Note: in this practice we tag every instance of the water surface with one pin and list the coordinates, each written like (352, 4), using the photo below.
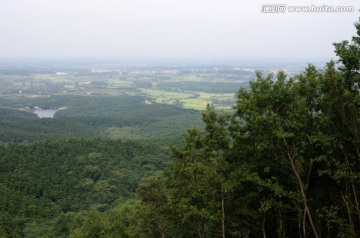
(47, 113)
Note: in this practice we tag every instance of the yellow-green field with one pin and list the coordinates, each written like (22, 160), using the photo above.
(166, 94)
(196, 103)
(193, 100)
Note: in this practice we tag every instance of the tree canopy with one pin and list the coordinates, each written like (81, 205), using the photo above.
(285, 163)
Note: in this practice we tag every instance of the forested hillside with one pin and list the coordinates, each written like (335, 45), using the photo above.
(285, 162)
(44, 180)
(121, 117)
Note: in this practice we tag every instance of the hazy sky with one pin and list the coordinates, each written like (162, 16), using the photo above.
(169, 29)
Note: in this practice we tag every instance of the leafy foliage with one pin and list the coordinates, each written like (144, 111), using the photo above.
(45, 179)
(285, 163)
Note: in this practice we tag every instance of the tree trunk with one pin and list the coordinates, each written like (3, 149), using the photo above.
(263, 226)
(357, 208)
(302, 189)
(222, 213)
(280, 230)
(199, 228)
(346, 201)
(304, 223)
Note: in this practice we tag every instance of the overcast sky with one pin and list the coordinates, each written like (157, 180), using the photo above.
(169, 29)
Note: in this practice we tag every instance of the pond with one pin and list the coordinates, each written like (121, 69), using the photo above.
(47, 113)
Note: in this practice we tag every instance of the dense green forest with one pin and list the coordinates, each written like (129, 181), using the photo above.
(284, 163)
(121, 117)
(44, 181)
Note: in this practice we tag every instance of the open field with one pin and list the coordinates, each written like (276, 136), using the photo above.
(182, 87)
